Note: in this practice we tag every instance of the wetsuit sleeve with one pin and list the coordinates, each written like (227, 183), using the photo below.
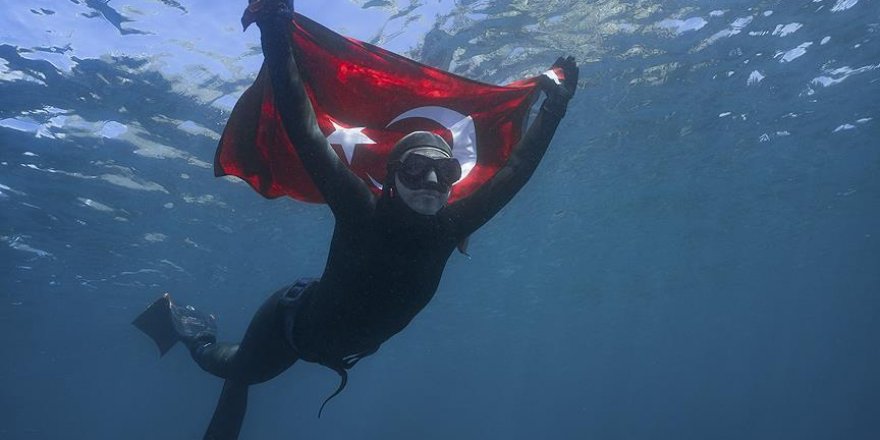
(346, 194)
(474, 211)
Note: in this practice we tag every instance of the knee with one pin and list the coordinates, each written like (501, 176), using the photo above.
(225, 361)
(217, 359)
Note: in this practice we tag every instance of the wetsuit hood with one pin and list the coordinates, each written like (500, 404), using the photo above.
(418, 139)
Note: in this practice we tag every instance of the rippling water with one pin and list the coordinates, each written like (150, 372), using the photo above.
(697, 257)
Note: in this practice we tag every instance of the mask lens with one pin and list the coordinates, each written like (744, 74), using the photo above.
(416, 166)
(449, 170)
(414, 169)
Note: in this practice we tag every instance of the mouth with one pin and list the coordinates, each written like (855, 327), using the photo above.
(429, 193)
(434, 187)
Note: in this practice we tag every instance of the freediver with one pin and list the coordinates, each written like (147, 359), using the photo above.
(387, 253)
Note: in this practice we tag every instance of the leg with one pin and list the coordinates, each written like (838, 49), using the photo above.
(263, 353)
(229, 415)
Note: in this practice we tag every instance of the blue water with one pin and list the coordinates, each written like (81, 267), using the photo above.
(698, 256)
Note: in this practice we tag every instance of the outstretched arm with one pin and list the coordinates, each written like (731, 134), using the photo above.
(346, 194)
(474, 211)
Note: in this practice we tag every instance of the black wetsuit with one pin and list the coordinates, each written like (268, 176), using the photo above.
(385, 260)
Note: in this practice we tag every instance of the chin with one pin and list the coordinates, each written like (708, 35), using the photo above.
(422, 201)
(428, 209)
(429, 204)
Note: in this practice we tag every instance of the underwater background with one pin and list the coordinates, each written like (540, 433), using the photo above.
(697, 257)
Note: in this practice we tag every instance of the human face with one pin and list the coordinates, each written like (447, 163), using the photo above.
(415, 168)
(430, 192)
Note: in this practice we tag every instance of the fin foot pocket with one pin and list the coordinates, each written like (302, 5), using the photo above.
(193, 326)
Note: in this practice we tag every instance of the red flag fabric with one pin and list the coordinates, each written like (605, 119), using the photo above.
(366, 99)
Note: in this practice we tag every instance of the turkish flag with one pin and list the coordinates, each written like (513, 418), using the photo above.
(366, 99)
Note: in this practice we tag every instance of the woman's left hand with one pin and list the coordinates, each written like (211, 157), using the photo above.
(260, 10)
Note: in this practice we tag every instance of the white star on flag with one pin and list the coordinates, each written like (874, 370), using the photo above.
(348, 139)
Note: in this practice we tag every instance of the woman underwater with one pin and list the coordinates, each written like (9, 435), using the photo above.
(387, 253)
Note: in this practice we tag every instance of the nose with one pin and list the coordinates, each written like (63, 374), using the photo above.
(431, 176)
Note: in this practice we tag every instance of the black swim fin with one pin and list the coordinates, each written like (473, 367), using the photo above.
(166, 323)
(156, 323)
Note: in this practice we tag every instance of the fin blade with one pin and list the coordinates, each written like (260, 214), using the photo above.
(156, 323)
